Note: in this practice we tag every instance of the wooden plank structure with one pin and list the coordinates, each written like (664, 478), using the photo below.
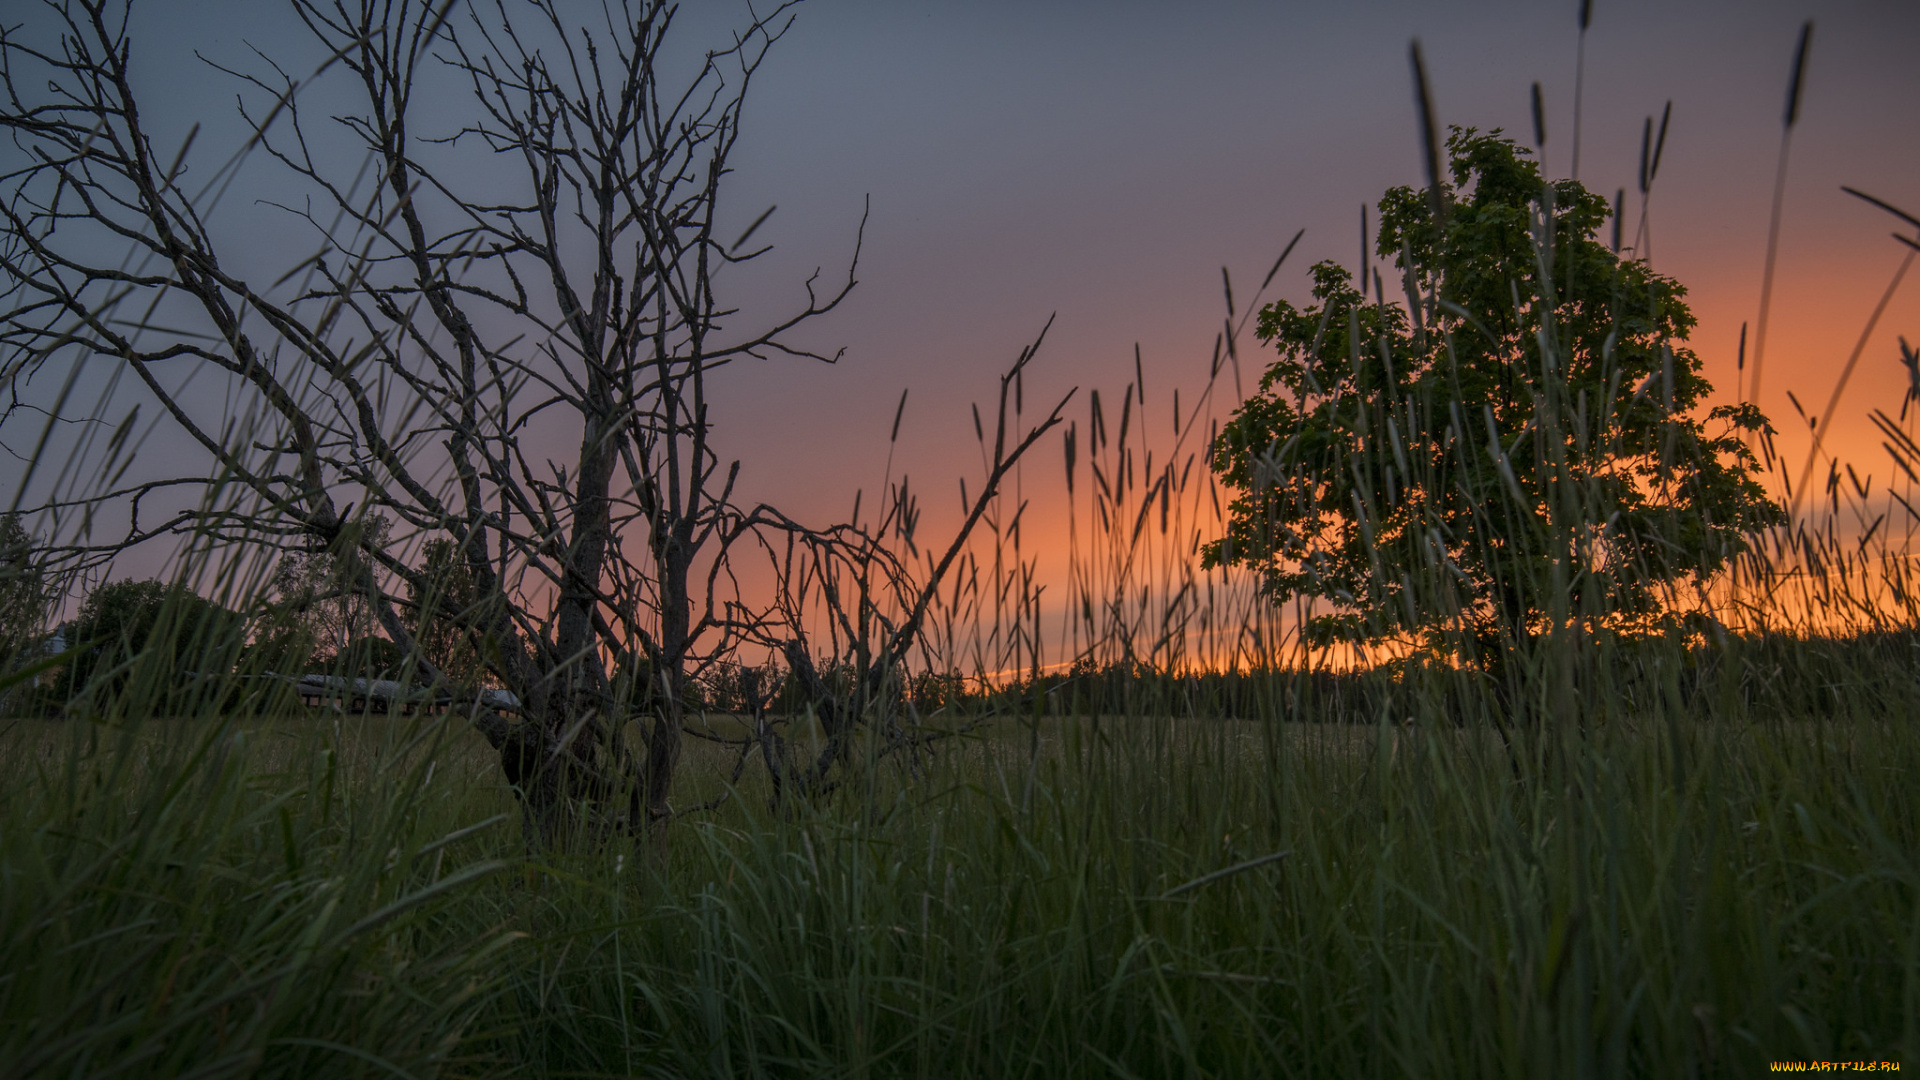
(390, 695)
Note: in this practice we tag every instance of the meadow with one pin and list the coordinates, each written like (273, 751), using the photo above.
(1690, 890)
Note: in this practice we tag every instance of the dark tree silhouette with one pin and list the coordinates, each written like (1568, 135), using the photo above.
(1511, 448)
(550, 272)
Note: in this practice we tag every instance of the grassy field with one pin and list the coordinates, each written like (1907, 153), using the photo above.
(1129, 896)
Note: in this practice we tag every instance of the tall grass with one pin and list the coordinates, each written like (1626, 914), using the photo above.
(202, 896)
(1150, 870)
(1693, 893)
(1703, 902)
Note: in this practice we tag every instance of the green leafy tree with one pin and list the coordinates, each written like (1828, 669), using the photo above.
(450, 614)
(25, 592)
(317, 613)
(1512, 448)
(370, 657)
(170, 626)
(27, 595)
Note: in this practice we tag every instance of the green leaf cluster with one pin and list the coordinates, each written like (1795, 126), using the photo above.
(181, 635)
(26, 592)
(1509, 444)
(450, 614)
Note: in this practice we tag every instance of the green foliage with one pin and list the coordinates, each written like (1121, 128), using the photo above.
(317, 618)
(280, 644)
(166, 634)
(932, 691)
(316, 613)
(370, 657)
(732, 687)
(449, 614)
(1514, 449)
(25, 592)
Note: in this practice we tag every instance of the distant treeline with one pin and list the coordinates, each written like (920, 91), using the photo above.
(1620, 678)
(183, 646)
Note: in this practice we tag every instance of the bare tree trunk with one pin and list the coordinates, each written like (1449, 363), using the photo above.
(404, 370)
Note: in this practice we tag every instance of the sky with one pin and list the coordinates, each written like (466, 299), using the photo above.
(1098, 165)
(1102, 163)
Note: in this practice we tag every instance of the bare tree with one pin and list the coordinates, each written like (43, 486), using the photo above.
(422, 364)
(873, 612)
